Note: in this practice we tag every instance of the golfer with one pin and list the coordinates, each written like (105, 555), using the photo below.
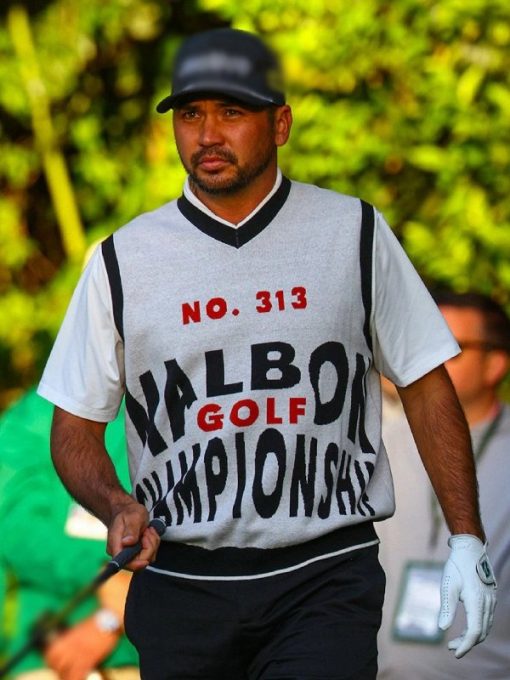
(246, 324)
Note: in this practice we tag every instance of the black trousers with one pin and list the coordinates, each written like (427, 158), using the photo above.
(315, 623)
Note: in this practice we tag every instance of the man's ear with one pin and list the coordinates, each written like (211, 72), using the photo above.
(282, 124)
(497, 366)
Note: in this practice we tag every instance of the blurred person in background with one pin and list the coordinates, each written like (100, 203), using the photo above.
(413, 541)
(51, 547)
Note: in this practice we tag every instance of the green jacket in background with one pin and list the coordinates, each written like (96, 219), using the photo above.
(47, 564)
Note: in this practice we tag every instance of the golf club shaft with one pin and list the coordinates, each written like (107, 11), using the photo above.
(53, 621)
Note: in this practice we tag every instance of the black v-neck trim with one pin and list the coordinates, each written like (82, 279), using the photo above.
(232, 236)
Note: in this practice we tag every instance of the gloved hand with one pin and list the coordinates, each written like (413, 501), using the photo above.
(468, 577)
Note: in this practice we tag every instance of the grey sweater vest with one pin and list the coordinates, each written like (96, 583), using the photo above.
(253, 404)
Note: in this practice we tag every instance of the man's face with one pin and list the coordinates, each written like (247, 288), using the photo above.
(224, 145)
(469, 371)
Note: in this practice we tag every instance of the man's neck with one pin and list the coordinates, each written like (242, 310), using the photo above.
(235, 207)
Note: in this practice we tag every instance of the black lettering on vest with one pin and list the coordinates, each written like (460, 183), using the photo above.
(187, 489)
(216, 470)
(303, 477)
(148, 485)
(270, 444)
(179, 395)
(215, 375)
(330, 461)
(144, 421)
(344, 485)
(262, 366)
(140, 495)
(161, 508)
(358, 398)
(363, 482)
(241, 475)
(170, 479)
(157, 483)
(329, 353)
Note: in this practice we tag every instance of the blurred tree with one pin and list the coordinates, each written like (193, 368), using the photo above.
(78, 82)
(55, 170)
(405, 103)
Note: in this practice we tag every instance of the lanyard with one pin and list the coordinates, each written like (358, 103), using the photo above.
(479, 451)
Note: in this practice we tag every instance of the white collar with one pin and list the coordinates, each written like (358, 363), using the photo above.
(198, 203)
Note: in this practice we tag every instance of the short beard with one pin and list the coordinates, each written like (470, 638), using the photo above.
(243, 178)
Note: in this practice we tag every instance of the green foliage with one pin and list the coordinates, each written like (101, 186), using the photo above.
(94, 61)
(403, 102)
(406, 104)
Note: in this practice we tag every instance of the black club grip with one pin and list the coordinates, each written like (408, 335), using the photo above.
(125, 556)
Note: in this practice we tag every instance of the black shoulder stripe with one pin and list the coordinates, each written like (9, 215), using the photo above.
(366, 257)
(113, 271)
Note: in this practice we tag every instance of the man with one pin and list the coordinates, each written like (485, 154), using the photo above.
(50, 549)
(246, 323)
(413, 541)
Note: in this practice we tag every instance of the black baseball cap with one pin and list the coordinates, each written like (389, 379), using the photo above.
(229, 62)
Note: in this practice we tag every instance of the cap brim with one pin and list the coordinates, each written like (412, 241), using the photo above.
(164, 105)
(208, 88)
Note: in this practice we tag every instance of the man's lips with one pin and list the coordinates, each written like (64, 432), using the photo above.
(212, 160)
(212, 163)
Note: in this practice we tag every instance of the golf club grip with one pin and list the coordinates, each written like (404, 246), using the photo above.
(125, 556)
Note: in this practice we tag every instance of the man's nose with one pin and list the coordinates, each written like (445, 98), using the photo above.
(210, 131)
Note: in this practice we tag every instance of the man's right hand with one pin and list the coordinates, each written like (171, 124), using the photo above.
(128, 526)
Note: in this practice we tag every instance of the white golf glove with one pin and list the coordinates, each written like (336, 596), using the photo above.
(468, 577)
